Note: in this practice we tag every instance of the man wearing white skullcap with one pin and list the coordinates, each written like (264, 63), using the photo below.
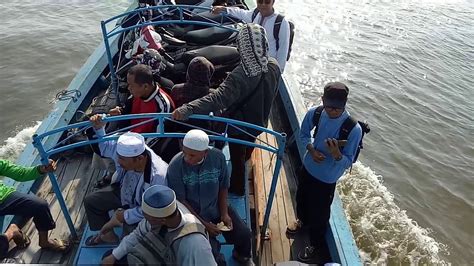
(138, 168)
(169, 218)
(200, 178)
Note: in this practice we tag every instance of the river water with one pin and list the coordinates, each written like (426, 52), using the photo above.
(409, 67)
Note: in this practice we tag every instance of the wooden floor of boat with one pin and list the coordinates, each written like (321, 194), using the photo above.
(278, 247)
(76, 178)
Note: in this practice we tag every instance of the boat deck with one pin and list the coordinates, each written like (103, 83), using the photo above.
(77, 177)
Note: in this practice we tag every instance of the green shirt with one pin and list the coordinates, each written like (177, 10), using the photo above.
(15, 172)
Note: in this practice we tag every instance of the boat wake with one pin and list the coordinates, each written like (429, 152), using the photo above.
(13, 146)
(383, 232)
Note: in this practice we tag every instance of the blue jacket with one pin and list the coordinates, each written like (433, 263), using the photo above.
(329, 170)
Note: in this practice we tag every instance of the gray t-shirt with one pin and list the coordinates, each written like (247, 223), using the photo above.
(199, 184)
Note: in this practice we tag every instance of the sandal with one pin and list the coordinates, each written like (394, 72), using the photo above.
(58, 245)
(23, 242)
(96, 240)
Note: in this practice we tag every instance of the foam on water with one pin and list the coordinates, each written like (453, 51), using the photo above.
(13, 146)
(383, 232)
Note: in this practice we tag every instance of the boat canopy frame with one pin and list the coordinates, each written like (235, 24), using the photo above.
(160, 20)
(230, 124)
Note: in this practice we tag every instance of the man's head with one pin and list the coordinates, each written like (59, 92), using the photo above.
(159, 206)
(335, 98)
(195, 146)
(252, 45)
(265, 7)
(131, 151)
(140, 81)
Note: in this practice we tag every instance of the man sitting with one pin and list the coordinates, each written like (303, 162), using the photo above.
(167, 222)
(26, 205)
(200, 179)
(138, 168)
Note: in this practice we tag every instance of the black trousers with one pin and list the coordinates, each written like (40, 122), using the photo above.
(240, 236)
(98, 204)
(27, 206)
(4, 246)
(313, 205)
(239, 154)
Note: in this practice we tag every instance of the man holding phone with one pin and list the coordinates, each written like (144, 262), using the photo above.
(325, 161)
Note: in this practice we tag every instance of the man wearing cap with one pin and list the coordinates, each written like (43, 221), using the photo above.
(138, 168)
(182, 234)
(200, 179)
(323, 164)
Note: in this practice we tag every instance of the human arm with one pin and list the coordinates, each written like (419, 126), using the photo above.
(306, 138)
(131, 240)
(228, 93)
(106, 148)
(21, 173)
(238, 13)
(284, 44)
(345, 157)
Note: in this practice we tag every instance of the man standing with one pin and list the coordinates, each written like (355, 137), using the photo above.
(138, 168)
(167, 222)
(246, 94)
(265, 16)
(200, 179)
(324, 163)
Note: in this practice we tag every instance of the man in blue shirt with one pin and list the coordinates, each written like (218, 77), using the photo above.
(325, 161)
(200, 179)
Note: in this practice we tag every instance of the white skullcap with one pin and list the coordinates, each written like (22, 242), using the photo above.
(196, 139)
(159, 201)
(130, 144)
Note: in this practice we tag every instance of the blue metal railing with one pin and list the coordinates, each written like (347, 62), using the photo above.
(47, 152)
(160, 20)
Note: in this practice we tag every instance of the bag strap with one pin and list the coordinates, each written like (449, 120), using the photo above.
(347, 127)
(276, 30)
(188, 229)
(254, 14)
(316, 118)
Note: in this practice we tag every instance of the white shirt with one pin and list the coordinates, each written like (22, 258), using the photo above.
(268, 24)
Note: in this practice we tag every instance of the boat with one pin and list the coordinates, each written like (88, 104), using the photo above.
(268, 205)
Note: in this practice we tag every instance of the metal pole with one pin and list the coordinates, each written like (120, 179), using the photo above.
(276, 173)
(57, 190)
(113, 76)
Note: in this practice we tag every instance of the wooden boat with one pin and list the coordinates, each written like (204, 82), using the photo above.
(269, 201)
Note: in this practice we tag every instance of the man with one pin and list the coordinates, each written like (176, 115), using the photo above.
(146, 97)
(138, 168)
(200, 179)
(265, 16)
(26, 205)
(166, 217)
(324, 163)
(246, 94)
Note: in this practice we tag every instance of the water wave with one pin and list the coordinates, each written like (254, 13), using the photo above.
(384, 233)
(13, 146)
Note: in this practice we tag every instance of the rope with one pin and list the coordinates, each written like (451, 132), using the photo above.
(65, 95)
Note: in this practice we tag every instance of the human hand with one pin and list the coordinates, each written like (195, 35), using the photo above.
(109, 260)
(115, 111)
(227, 220)
(218, 9)
(179, 114)
(212, 229)
(50, 167)
(97, 122)
(333, 147)
(317, 155)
